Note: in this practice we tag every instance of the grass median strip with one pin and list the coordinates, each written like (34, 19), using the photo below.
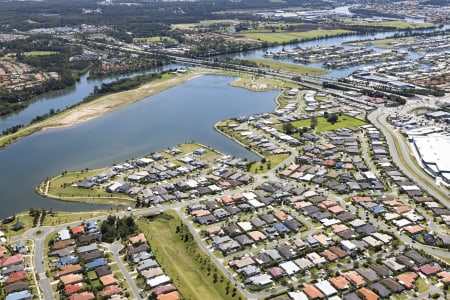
(191, 270)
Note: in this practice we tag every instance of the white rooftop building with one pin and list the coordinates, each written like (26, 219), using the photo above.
(433, 154)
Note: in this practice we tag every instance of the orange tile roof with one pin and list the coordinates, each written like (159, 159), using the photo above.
(391, 202)
(361, 199)
(71, 278)
(444, 276)
(280, 215)
(354, 278)
(413, 228)
(257, 235)
(200, 212)
(108, 280)
(402, 209)
(67, 269)
(169, 296)
(322, 239)
(302, 204)
(140, 238)
(111, 290)
(77, 229)
(330, 256)
(312, 292)
(336, 209)
(227, 199)
(327, 203)
(339, 282)
(82, 296)
(339, 228)
(368, 294)
(407, 279)
(63, 244)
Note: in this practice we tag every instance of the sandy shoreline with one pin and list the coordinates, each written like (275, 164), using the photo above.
(105, 104)
(108, 103)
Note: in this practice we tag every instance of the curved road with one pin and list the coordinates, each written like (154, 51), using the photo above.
(400, 154)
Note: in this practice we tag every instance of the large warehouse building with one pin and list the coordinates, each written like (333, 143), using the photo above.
(433, 151)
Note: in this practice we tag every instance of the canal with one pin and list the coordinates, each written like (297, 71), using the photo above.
(181, 114)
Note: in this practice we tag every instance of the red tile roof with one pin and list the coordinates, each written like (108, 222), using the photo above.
(82, 296)
(16, 276)
(429, 270)
(73, 288)
(163, 289)
(11, 260)
(111, 290)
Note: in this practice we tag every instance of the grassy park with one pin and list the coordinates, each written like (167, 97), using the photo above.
(40, 53)
(61, 187)
(191, 270)
(344, 121)
(398, 24)
(286, 36)
(264, 63)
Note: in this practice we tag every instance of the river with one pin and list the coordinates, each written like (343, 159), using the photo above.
(184, 113)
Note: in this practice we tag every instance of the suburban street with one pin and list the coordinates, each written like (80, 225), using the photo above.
(115, 249)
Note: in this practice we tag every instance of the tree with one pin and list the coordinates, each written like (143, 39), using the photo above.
(288, 128)
(313, 122)
(333, 118)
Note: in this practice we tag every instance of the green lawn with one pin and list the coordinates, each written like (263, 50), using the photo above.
(188, 266)
(344, 121)
(61, 187)
(397, 24)
(69, 217)
(421, 285)
(40, 53)
(285, 37)
(272, 161)
(154, 39)
(288, 67)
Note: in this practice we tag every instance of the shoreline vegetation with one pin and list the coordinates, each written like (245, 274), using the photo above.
(98, 107)
(92, 109)
(59, 187)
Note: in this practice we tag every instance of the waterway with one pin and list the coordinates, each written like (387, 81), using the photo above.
(59, 100)
(184, 113)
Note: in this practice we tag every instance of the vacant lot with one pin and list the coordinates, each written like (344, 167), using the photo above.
(190, 269)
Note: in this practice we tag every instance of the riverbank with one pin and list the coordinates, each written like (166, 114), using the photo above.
(101, 106)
